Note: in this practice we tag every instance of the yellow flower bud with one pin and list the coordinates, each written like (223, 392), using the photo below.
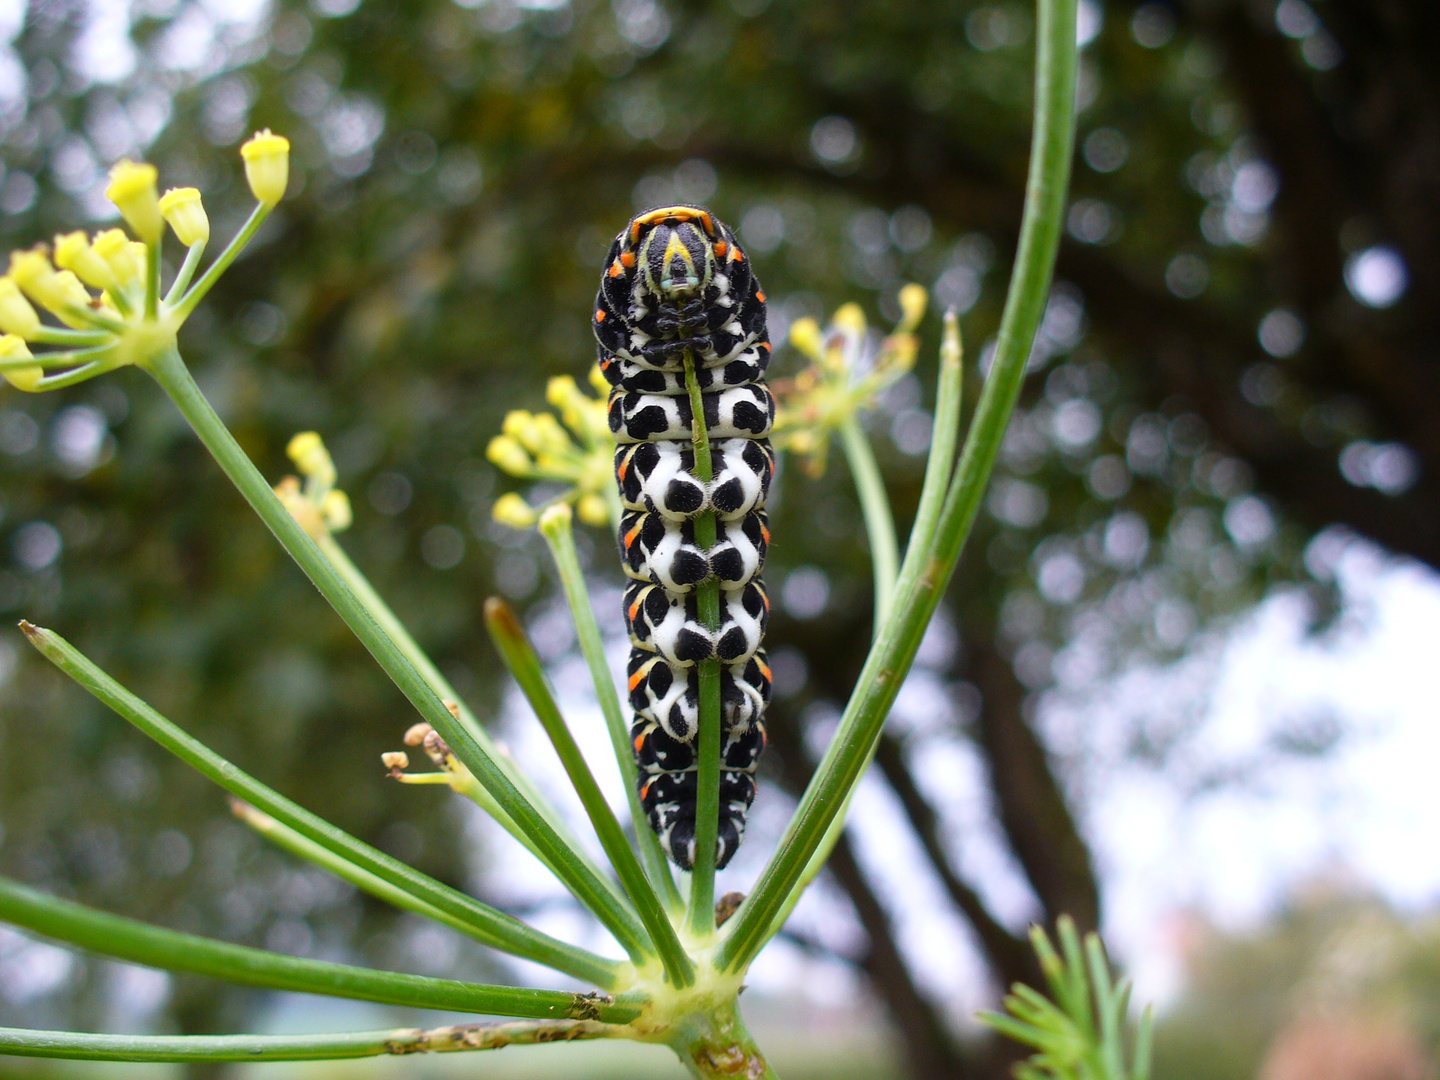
(73, 252)
(267, 166)
(510, 509)
(506, 452)
(186, 214)
(805, 336)
(850, 317)
(73, 297)
(25, 378)
(550, 436)
(308, 452)
(335, 509)
(116, 249)
(16, 314)
(912, 304)
(132, 189)
(554, 518)
(592, 509)
(31, 270)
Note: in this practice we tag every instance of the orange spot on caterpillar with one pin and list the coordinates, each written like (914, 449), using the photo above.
(615, 270)
(758, 295)
(599, 315)
(623, 469)
(631, 535)
(635, 608)
(645, 790)
(639, 743)
(720, 249)
(764, 669)
(765, 345)
(765, 532)
(709, 225)
(636, 679)
(736, 255)
(627, 258)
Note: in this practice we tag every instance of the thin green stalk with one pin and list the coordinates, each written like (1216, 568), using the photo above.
(152, 280)
(573, 870)
(21, 1042)
(948, 400)
(945, 436)
(701, 917)
(557, 528)
(875, 507)
(63, 335)
(186, 272)
(61, 359)
(524, 665)
(79, 374)
(485, 923)
(237, 244)
(926, 572)
(137, 942)
(287, 838)
(412, 651)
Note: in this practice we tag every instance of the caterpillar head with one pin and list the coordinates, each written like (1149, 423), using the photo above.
(678, 251)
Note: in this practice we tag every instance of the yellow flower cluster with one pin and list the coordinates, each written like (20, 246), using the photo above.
(846, 375)
(124, 320)
(535, 446)
(318, 505)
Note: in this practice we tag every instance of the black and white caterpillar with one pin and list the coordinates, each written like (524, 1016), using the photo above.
(676, 284)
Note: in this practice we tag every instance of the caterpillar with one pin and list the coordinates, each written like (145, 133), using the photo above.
(677, 285)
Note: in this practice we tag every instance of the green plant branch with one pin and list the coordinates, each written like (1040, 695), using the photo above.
(557, 528)
(127, 939)
(1079, 1035)
(481, 921)
(20, 1042)
(186, 303)
(701, 916)
(926, 572)
(946, 434)
(391, 625)
(187, 269)
(875, 507)
(572, 869)
(524, 665)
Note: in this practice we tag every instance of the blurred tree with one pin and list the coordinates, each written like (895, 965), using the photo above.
(1236, 356)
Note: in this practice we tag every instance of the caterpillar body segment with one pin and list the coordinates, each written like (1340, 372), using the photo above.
(664, 552)
(678, 287)
(659, 477)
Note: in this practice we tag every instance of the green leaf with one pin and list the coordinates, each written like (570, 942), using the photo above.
(524, 665)
(482, 922)
(127, 939)
(927, 571)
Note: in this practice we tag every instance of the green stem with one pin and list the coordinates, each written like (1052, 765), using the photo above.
(524, 665)
(186, 272)
(701, 916)
(592, 890)
(285, 837)
(559, 535)
(61, 359)
(20, 1042)
(714, 1044)
(127, 939)
(79, 374)
(392, 626)
(926, 572)
(237, 244)
(57, 335)
(152, 280)
(483, 923)
(875, 506)
(927, 515)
